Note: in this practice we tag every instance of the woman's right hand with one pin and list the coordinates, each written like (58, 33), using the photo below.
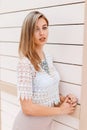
(67, 108)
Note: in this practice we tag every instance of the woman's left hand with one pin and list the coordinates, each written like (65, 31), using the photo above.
(72, 99)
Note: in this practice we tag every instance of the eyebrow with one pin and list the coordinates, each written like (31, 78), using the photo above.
(43, 25)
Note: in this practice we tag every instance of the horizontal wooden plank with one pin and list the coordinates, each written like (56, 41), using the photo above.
(57, 34)
(68, 73)
(14, 6)
(65, 15)
(9, 49)
(8, 62)
(66, 34)
(8, 76)
(10, 34)
(66, 88)
(65, 54)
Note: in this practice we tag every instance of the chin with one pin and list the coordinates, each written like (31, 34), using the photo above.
(43, 43)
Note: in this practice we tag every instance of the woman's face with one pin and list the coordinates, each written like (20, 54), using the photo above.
(41, 32)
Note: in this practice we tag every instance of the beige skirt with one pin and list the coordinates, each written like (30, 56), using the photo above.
(23, 122)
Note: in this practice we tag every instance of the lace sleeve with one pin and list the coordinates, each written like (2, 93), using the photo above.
(24, 79)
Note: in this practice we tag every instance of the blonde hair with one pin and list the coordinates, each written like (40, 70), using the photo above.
(27, 45)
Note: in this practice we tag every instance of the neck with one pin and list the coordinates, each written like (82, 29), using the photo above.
(40, 53)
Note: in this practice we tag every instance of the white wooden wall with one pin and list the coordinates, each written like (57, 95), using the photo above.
(65, 43)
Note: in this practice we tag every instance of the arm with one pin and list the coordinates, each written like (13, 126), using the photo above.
(25, 94)
(30, 108)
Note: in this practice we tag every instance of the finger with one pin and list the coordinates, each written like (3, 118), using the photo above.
(71, 96)
(74, 101)
(66, 99)
(74, 104)
(69, 101)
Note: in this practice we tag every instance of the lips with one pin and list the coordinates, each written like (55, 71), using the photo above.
(42, 39)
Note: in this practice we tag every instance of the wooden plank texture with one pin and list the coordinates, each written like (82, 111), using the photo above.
(70, 14)
(14, 6)
(57, 34)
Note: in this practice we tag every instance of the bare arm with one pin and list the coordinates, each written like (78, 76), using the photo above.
(30, 108)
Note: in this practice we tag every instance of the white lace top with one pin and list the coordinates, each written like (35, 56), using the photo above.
(41, 87)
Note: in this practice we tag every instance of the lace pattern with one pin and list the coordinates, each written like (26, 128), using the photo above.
(41, 87)
(24, 79)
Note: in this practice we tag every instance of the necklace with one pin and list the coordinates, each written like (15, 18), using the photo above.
(44, 65)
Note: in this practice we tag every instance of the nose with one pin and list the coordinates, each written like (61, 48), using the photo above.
(41, 32)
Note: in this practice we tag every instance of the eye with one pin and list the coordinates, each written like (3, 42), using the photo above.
(45, 28)
(36, 29)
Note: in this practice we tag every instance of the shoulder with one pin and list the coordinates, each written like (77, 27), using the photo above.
(24, 62)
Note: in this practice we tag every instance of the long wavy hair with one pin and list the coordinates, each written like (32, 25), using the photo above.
(27, 45)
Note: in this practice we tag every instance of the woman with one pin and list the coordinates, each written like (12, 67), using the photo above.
(38, 79)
